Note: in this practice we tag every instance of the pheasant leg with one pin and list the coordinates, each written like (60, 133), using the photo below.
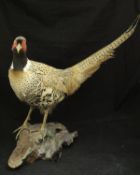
(25, 123)
(43, 126)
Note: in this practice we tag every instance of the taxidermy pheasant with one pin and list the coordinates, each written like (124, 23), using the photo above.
(42, 86)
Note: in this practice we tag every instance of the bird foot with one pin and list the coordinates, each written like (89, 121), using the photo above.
(20, 129)
(42, 133)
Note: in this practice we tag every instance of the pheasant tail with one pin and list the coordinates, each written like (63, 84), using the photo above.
(91, 64)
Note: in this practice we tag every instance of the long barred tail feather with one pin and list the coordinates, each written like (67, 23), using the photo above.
(91, 64)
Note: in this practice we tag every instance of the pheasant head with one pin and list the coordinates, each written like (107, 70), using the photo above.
(19, 49)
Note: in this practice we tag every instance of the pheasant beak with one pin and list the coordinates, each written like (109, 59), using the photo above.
(18, 48)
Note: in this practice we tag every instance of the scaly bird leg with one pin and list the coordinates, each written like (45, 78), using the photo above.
(25, 123)
(43, 126)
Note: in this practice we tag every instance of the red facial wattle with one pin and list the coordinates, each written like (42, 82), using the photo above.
(14, 45)
(24, 46)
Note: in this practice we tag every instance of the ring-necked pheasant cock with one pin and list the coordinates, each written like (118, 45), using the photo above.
(43, 86)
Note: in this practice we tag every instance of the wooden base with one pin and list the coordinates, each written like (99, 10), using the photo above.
(31, 146)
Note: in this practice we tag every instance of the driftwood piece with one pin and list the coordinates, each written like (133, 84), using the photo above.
(30, 145)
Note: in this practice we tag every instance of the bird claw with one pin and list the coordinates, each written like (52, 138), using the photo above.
(20, 129)
(42, 134)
